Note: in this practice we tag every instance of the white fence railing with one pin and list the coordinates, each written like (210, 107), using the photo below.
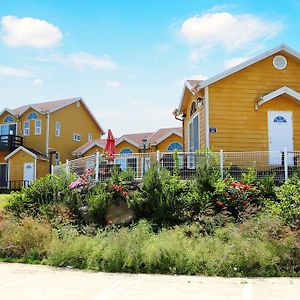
(280, 163)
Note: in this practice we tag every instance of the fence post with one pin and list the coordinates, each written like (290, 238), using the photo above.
(67, 167)
(221, 162)
(97, 167)
(286, 174)
(158, 160)
(52, 170)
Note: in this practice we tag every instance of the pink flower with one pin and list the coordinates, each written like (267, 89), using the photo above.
(125, 194)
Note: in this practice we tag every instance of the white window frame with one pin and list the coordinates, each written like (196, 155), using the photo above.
(76, 137)
(57, 129)
(26, 131)
(57, 158)
(90, 137)
(37, 129)
(190, 158)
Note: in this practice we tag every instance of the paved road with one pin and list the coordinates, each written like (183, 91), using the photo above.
(18, 281)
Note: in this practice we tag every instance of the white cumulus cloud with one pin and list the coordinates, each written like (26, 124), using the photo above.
(30, 32)
(113, 84)
(38, 81)
(227, 30)
(15, 72)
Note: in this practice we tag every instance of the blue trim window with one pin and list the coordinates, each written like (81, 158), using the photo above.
(8, 119)
(175, 146)
(32, 116)
(279, 119)
(126, 151)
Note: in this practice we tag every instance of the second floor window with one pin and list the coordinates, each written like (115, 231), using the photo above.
(8, 119)
(90, 137)
(76, 137)
(57, 159)
(32, 116)
(26, 128)
(57, 128)
(38, 127)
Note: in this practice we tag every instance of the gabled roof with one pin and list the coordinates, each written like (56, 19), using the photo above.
(283, 90)
(89, 145)
(135, 139)
(194, 85)
(32, 152)
(50, 107)
(163, 134)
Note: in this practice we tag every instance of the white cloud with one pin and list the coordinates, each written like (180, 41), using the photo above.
(82, 60)
(113, 84)
(38, 81)
(227, 30)
(229, 63)
(14, 72)
(29, 32)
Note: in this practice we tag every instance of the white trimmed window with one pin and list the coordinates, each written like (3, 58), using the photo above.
(26, 128)
(57, 158)
(37, 127)
(57, 128)
(76, 137)
(90, 137)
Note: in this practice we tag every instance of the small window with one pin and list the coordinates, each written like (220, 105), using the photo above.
(57, 128)
(175, 146)
(279, 119)
(193, 108)
(8, 119)
(32, 116)
(76, 137)
(90, 137)
(57, 159)
(126, 151)
(38, 127)
(26, 131)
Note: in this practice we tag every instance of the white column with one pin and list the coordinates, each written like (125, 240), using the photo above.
(158, 159)
(97, 167)
(286, 174)
(221, 162)
(67, 167)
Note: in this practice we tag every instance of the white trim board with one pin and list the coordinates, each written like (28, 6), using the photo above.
(126, 139)
(241, 66)
(19, 149)
(165, 137)
(283, 90)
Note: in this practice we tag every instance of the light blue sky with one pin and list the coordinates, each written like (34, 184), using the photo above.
(128, 58)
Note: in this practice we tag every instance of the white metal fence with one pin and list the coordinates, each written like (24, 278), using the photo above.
(280, 163)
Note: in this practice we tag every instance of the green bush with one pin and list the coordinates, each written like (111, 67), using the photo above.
(287, 203)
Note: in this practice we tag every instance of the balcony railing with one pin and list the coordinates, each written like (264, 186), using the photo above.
(10, 142)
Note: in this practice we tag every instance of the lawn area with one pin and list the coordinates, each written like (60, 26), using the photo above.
(3, 200)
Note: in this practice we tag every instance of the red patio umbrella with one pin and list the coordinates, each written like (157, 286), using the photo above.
(110, 147)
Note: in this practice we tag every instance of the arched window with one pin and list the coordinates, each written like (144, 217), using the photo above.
(126, 151)
(279, 119)
(193, 108)
(8, 119)
(175, 146)
(32, 116)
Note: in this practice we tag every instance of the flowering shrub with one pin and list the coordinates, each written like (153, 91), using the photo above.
(236, 195)
(84, 180)
(118, 191)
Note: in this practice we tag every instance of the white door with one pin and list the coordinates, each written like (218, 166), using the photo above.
(280, 127)
(28, 171)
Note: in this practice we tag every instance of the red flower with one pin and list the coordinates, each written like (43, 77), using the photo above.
(125, 194)
(109, 222)
(220, 204)
(113, 186)
(245, 203)
(120, 188)
(234, 184)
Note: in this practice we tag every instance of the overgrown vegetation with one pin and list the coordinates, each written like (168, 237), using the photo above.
(205, 225)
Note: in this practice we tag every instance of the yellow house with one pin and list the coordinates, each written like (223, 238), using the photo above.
(33, 136)
(132, 147)
(253, 106)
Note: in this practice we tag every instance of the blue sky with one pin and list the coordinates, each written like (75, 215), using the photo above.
(128, 58)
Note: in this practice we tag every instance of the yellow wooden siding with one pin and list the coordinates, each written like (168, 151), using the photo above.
(126, 145)
(16, 165)
(93, 150)
(2, 157)
(231, 103)
(42, 168)
(187, 119)
(163, 146)
(73, 119)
